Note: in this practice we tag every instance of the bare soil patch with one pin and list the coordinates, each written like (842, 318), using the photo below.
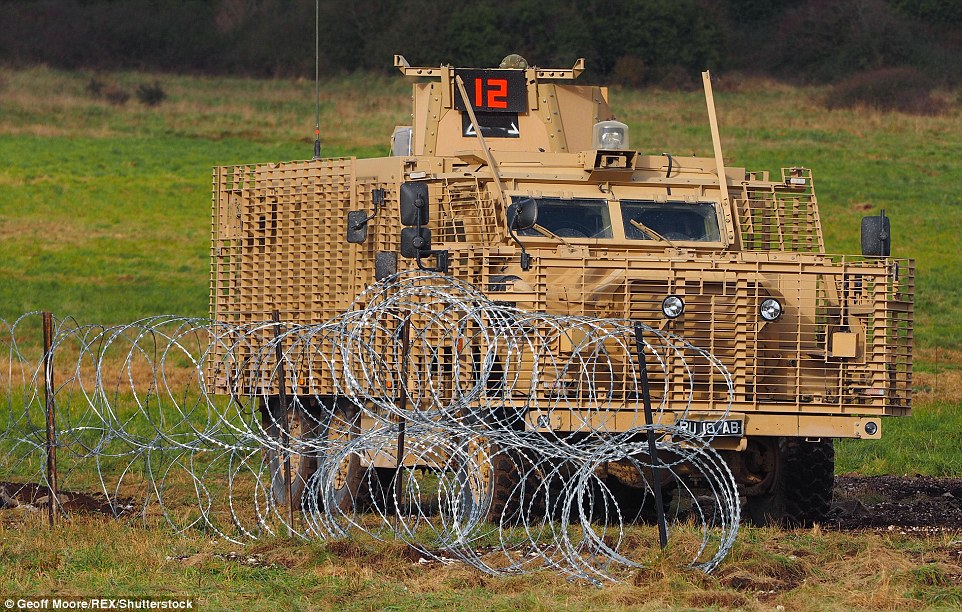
(914, 503)
(32, 497)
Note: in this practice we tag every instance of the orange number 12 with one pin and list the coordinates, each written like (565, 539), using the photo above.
(497, 93)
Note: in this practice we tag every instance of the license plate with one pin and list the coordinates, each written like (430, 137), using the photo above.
(721, 428)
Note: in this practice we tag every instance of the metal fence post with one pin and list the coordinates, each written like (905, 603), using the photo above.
(402, 406)
(652, 446)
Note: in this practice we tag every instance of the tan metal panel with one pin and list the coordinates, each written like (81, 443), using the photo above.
(840, 352)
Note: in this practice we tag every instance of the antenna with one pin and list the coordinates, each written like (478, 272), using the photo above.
(317, 82)
(715, 138)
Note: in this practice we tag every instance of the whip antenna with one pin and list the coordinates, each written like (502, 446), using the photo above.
(317, 83)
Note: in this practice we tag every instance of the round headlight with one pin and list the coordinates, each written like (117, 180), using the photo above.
(871, 428)
(770, 309)
(673, 306)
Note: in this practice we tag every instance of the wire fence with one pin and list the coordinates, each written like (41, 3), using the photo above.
(525, 440)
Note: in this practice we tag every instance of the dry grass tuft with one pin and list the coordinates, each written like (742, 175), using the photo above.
(799, 570)
(941, 380)
(744, 580)
(719, 600)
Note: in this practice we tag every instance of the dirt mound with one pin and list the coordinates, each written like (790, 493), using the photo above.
(33, 497)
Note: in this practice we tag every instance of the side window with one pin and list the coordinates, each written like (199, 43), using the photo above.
(672, 220)
(572, 219)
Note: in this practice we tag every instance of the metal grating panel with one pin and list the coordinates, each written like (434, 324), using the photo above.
(779, 218)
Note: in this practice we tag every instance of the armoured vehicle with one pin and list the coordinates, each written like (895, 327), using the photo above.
(524, 185)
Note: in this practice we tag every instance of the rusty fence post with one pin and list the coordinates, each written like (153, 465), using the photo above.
(50, 408)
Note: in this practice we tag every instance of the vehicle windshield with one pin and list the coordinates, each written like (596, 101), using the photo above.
(672, 220)
(575, 218)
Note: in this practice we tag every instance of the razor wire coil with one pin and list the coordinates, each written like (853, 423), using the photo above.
(524, 440)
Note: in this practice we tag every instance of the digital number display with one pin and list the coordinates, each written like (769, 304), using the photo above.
(493, 91)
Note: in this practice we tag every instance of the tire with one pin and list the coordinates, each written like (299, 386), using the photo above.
(802, 492)
(496, 491)
(376, 492)
(273, 419)
(303, 466)
(505, 487)
(631, 502)
(627, 493)
(355, 487)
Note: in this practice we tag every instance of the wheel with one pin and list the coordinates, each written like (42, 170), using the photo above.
(306, 426)
(309, 421)
(376, 492)
(630, 501)
(355, 487)
(491, 485)
(629, 484)
(801, 493)
(343, 426)
(273, 420)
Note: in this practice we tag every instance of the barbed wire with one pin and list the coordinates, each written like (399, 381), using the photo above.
(521, 437)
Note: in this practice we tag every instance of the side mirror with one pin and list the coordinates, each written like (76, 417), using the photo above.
(876, 236)
(357, 220)
(522, 214)
(414, 204)
(357, 226)
(416, 236)
(415, 241)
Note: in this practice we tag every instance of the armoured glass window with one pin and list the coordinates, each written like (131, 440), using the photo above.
(571, 219)
(679, 221)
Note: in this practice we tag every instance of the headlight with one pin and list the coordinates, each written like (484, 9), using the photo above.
(610, 135)
(673, 306)
(770, 309)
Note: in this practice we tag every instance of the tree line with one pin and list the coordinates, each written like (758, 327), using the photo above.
(633, 42)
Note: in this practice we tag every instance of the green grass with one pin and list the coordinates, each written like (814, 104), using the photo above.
(104, 209)
(802, 570)
(104, 216)
(112, 229)
(928, 443)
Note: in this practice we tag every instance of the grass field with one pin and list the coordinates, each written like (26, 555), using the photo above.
(105, 209)
(804, 570)
(104, 216)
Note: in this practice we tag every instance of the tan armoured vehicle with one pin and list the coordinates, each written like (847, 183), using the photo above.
(818, 346)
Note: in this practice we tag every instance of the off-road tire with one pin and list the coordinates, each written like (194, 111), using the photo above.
(802, 492)
(356, 488)
(376, 491)
(637, 506)
(505, 486)
(502, 488)
(347, 482)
